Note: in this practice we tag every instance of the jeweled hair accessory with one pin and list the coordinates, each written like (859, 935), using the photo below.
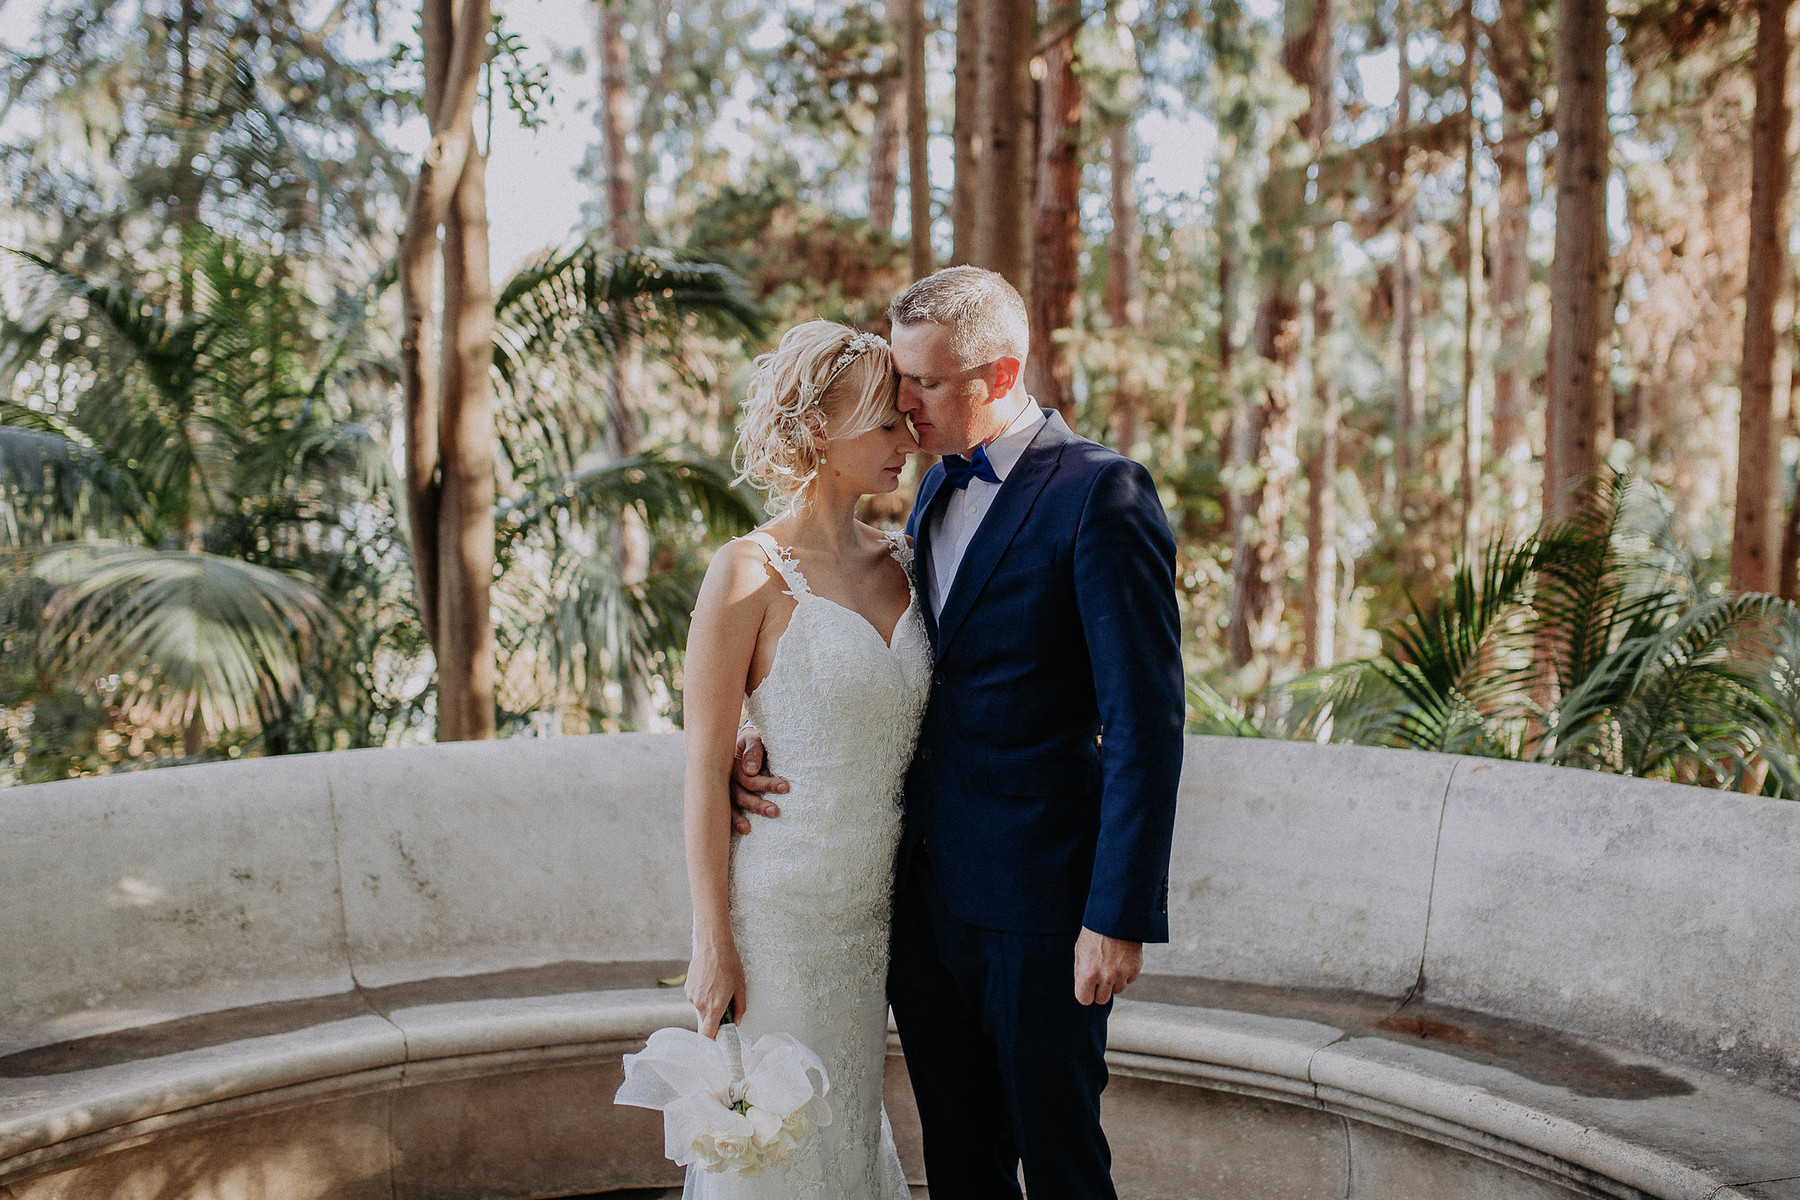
(853, 349)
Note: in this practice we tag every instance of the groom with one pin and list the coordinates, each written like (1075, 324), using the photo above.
(1041, 799)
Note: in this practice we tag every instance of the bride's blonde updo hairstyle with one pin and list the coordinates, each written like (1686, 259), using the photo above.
(821, 371)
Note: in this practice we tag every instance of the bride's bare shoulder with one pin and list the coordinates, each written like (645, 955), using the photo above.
(739, 570)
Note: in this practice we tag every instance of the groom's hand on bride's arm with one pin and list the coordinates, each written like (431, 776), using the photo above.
(1104, 966)
(749, 785)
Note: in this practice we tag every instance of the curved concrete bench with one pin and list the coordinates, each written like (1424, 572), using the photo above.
(412, 973)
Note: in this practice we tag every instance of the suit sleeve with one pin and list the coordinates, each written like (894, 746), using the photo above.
(1124, 562)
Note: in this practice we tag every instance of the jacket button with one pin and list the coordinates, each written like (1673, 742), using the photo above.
(937, 677)
(925, 753)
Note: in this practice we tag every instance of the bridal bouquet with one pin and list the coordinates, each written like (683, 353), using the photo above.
(727, 1106)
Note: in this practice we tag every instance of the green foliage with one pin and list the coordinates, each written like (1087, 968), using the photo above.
(1592, 645)
(200, 635)
(249, 572)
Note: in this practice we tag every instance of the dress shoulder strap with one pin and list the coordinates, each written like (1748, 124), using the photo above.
(901, 549)
(782, 560)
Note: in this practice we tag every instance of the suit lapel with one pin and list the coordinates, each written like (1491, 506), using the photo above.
(1011, 506)
(923, 570)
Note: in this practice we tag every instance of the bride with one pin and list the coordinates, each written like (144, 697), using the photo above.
(812, 623)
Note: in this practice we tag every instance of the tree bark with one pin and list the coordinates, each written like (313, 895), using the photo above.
(1768, 311)
(965, 133)
(1124, 288)
(1580, 398)
(1312, 58)
(918, 142)
(1056, 242)
(1410, 376)
(615, 101)
(1511, 284)
(466, 670)
(629, 536)
(1240, 444)
(1258, 562)
(1471, 331)
(1002, 214)
(186, 181)
(1510, 270)
(1790, 537)
(454, 35)
(1319, 600)
(890, 126)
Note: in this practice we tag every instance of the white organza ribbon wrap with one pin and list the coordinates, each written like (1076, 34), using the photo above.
(727, 1107)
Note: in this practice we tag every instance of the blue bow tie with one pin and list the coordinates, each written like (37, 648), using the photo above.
(959, 470)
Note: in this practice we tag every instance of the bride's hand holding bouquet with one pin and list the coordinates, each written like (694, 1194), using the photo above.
(715, 980)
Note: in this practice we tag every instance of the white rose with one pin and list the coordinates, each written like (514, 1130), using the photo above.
(706, 1153)
(765, 1126)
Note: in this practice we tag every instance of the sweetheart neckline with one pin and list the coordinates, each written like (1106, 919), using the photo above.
(890, 646)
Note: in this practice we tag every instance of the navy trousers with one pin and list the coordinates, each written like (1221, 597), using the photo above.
(1006, 1066)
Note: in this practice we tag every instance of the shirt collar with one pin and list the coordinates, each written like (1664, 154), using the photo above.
(1005, 451)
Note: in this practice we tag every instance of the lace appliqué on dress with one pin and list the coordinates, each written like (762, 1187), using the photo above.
(811, 890)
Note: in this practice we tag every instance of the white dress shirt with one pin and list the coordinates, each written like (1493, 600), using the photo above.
(954, 523)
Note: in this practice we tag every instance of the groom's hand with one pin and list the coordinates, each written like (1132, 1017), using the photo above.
(1104, 966)
(748, 783)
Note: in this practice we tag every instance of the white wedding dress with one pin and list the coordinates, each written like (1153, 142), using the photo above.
(811, 890)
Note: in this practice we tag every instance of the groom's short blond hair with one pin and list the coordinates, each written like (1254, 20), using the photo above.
(985, 314)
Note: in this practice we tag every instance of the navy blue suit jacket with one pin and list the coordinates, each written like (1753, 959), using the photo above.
(1061, 623)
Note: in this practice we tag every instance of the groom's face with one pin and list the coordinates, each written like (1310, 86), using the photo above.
(951, 406)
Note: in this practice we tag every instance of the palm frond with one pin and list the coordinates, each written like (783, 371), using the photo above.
(1209, 712)
(1452, 664)
(667, 490)
(566, 321)
(200, 634)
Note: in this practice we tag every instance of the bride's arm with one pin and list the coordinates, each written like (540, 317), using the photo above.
(721, 643)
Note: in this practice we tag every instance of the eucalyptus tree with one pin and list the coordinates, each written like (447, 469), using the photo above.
(1056, 225)
(1517, 45)
(1763, 380)
(1258, 560)
(1579, 418)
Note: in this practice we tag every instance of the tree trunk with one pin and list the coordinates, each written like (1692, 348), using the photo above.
(615, 100)
(918, 141)
(1258, 563)
(454, 36)
(1511, 284)
(1002, 220)
(1056, 242)
(1124, 289)
(466, 671)
(1312, 58)
(1790, 536)
(1319, 601)
(1410, 375)
(187, 184)
(630, 537)
(1240, 442)
(1472, 247)
(890, 126)
(1580, 397)
(1768, 312)
(965, 133)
